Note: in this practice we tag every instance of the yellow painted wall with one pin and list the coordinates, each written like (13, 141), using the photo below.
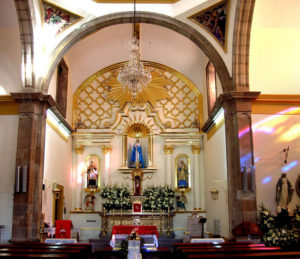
(274, 47)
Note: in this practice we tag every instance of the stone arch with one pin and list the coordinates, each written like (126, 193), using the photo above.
(241, 44)
(143, 17)
(26, 19)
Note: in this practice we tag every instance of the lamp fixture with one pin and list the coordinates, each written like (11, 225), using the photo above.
(133, 76)
(214, 194)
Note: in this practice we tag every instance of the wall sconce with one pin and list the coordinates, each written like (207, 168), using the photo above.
(21, 179)
(214, 194)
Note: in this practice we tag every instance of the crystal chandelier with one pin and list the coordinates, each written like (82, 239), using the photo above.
(133, 76)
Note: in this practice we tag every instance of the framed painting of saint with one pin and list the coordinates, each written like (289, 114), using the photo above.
(214, 20)
(57, 18)
(92, 174)
(182, 172)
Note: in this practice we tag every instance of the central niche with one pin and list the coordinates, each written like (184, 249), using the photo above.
(138, 145)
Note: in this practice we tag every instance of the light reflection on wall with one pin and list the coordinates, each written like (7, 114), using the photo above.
(272, 134)
(256, 159)
(266, 180)
(80, 170)
(289, 166)
(268, 125)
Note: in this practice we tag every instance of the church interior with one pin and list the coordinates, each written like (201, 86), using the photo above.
(148, 113)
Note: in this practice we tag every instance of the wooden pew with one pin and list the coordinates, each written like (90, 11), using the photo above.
(29, 255)
(280, 254)
(84, 250)
(71, 253)
(184, 250)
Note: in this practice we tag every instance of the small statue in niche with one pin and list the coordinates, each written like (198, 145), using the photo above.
(284, 193)
(137, 177)
(137, 155)
(182, 175)
(137, 185)
(89, 202)
(181, 200)
(92, 176)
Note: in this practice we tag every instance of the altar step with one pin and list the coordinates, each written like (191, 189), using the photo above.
(163, 241)
(167, 241)
(101, 242)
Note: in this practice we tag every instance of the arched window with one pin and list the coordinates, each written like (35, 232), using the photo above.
(211, 86)
(62, 87)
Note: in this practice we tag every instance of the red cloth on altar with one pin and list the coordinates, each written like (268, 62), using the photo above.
(63, 228)
(141, 230)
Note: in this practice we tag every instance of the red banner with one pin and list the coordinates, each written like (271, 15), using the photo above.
(63, 228)
(146, 230)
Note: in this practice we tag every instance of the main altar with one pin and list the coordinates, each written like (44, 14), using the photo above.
(145, 146)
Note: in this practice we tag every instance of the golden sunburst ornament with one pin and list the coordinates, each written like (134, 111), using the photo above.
(154, 92)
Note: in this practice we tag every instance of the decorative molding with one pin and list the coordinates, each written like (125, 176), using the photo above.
(56, 129)
(215, 128)
(273, 104)
(46, 100)
(127, 170)
(244, 98)
(196, 149)
(106, 149)
(169, 149)
(79, 149)
(8, 106)
(171, 101)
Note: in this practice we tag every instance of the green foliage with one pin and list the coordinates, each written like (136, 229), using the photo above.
(115, 197)
(158, 198)
(132, 236)
(275, 233)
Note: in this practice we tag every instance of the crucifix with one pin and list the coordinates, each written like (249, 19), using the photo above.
(286, 151)
(137, 177)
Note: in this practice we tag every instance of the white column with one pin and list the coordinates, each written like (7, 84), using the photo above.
(106, 172)
(168, 174)
(198, 178)
(78, 179)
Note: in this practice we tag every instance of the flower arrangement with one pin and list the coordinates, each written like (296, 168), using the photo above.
(132, 236)
(277, 234)
(158, 198)
(116, 197)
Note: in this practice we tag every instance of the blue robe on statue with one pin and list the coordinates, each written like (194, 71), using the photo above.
(137, 155)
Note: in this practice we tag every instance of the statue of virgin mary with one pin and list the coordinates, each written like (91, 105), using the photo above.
(137, 155)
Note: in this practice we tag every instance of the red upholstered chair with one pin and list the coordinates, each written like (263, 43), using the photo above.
(63, 228)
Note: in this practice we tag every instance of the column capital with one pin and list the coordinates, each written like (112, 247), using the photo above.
(79, 149)
(106, 149)
(196, 149)
(169, 149)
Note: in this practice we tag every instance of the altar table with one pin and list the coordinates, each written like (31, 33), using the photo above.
(121, 232)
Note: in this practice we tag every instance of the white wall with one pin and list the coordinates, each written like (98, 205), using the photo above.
(10, 48)
(57, 169)
(274, 48)
(215, 170)
(158, 44)
(8, 149)
(272, 134)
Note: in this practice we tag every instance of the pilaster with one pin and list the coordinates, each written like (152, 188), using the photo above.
(168, 151)
(30, 156)
(106, 149)
(239, 153)
(78, 177)
(198, 183)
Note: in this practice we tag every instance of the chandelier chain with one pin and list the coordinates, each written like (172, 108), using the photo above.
(133, 76)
